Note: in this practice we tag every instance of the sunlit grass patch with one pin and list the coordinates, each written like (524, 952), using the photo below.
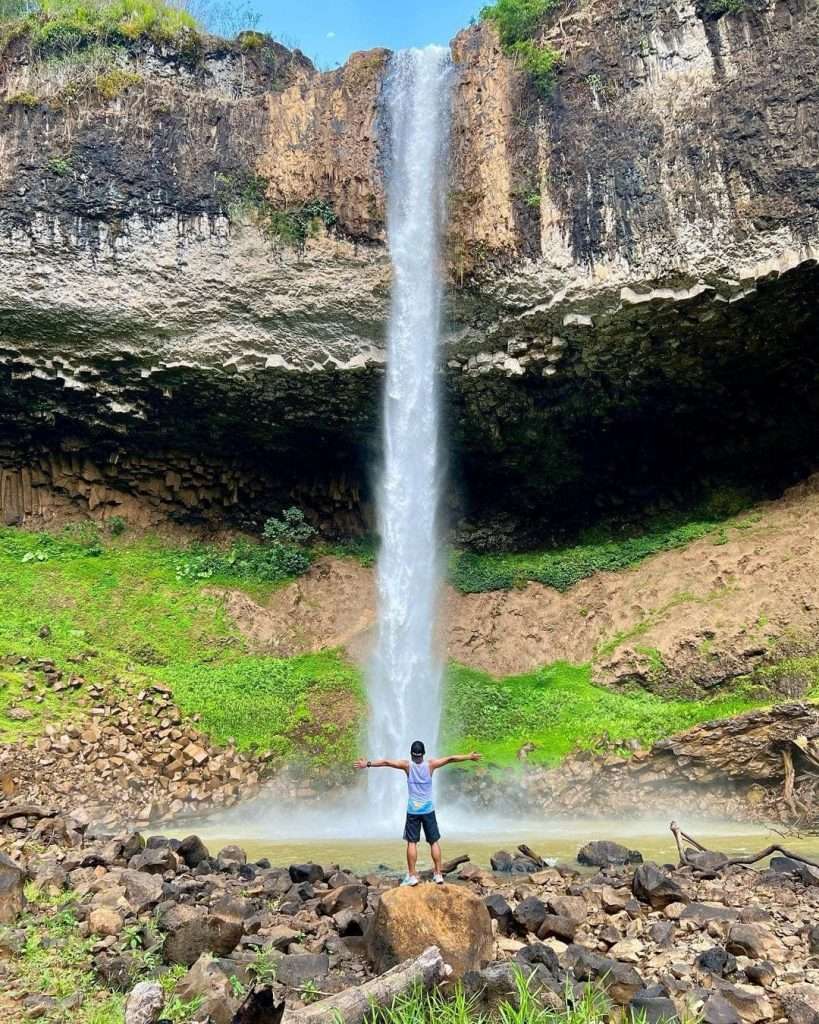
(559, 710)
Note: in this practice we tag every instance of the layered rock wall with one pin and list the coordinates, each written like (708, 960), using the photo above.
(632, 266)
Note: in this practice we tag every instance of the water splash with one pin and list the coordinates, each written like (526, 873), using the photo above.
(406, 671)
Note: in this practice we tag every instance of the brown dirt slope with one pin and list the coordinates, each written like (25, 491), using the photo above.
(685, 620)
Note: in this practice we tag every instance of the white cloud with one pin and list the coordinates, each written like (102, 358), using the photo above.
(331, 35)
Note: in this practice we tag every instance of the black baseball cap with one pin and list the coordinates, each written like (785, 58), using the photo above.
(418, 749)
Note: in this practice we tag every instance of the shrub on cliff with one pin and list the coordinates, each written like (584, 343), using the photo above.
(281, 555)
(517, 22)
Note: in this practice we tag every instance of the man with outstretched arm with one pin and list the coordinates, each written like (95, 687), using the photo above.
(420, 804)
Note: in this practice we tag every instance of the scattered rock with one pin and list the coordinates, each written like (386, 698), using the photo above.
(500, 911)
(652, 886)
(717, 961)
(193, 851)
(755, 941)
(12, 898)
(800, 1003)
(555, 926)
(155, 861)
(702, 913)
(529, 915)
(600, 853)
(306, 873)
(105, 921)
(296, 969)
(208, 982)
(501, 861)
(653, 1009)
(144, 1003)
(187, 934)
(717, 1010)
(621, 981)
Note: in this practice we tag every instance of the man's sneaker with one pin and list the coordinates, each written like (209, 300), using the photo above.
(410, 880)
(438, 879)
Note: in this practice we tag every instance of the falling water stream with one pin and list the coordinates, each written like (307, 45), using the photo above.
(406, 670)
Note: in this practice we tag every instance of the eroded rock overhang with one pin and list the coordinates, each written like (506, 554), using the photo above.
(632, 303)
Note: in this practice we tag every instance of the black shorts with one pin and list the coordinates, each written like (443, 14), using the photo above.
(412, 829)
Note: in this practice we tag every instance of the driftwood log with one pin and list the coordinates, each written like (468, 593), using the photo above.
(711, 862)
(24, 811)
(527, 851)
(447, 867)
(354, 1004)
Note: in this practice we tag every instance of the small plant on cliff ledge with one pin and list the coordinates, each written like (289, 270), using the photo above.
(60, 165)
(517, 22)
(245, 195)
(113, 83)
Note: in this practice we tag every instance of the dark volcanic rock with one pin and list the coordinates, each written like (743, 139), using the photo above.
(717, 961)
(193, 851)
(500, 910)
(155, 861)
(558, 926)
(621, 981)
(653, 1009)
(600, 853)
(529, 914)
(501, 861)
(294, 970)
(654, 887)
(306, 873)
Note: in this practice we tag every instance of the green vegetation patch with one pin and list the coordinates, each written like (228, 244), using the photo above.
(57, 963)
(125, 613)
(454, 1006)
(54, 25)
(606, 549)
(517, 22)
(245, 196)
(311, 704)
(559, 710)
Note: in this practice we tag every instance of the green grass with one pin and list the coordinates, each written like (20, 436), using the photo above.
(120, 612)
(54, 25)
(57, 962)
(560, 710)
(522, 1007)
(602, 550)
(274, 703)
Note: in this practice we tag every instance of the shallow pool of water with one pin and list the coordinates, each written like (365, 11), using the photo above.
(559, 838)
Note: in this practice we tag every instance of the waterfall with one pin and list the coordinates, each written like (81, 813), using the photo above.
(406, 670)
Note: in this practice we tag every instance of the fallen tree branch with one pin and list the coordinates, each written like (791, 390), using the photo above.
(24, 811)
(452, 865)
(527, 851)
(354, 1004)
(689, 858)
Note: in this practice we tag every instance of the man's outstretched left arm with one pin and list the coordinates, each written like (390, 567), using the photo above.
(439, 762)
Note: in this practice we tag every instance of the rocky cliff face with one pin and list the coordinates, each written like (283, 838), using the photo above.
(194, 281)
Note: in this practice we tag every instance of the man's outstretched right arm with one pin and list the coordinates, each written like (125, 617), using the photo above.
(382, 763)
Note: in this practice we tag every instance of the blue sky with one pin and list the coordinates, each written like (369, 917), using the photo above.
(328, 31)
